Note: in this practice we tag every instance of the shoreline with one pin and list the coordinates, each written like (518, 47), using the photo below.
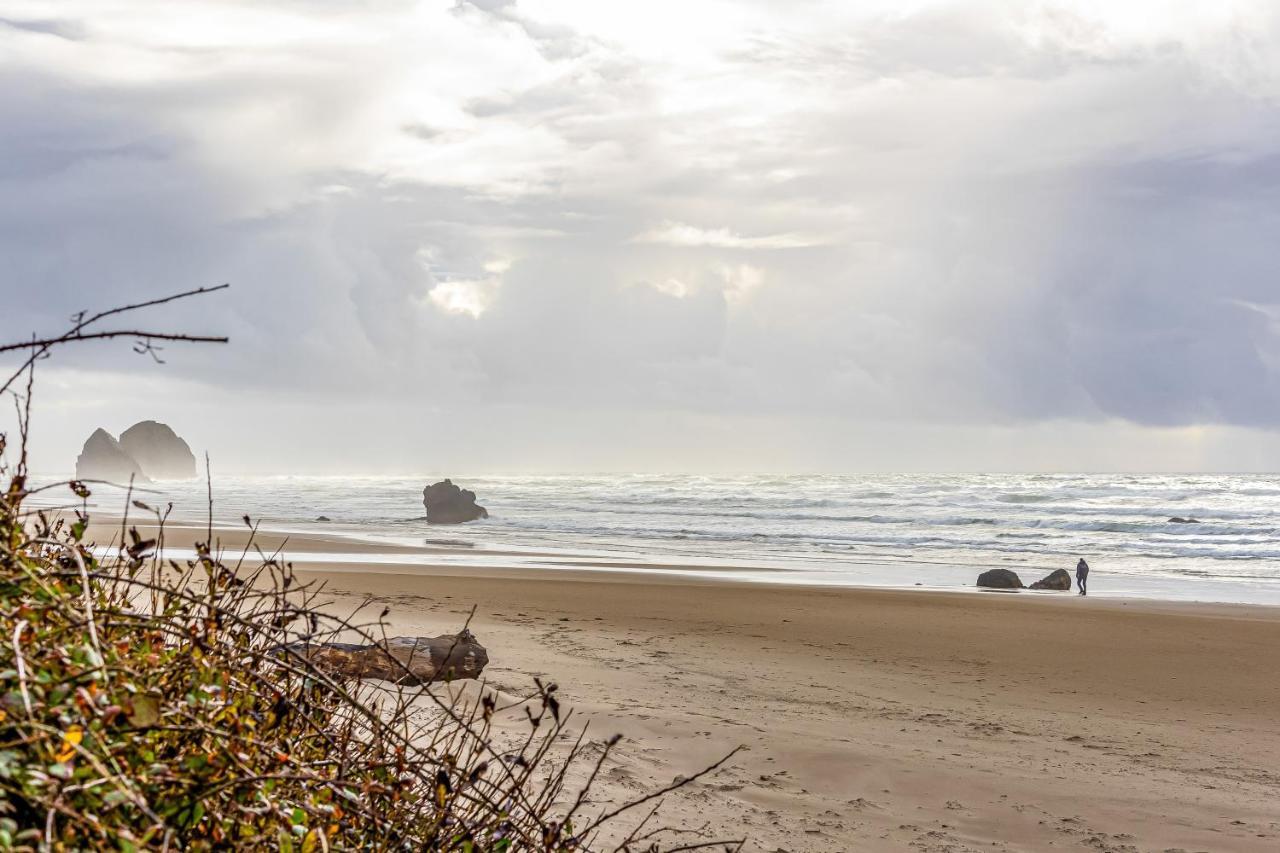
(340, 551)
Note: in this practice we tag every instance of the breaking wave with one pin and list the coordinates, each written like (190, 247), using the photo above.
(1122, 523)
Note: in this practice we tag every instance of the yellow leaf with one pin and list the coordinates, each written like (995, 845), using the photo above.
(3, 714)
(70, 740)
(310, 843)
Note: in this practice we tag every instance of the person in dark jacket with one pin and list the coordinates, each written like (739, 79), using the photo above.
(1082, 576)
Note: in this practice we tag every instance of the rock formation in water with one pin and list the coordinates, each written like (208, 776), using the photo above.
(159, 451)
(1000, 579)
(403, 660)
(1177, 519)
(1058, 579)
(448, 504)
(104, 459)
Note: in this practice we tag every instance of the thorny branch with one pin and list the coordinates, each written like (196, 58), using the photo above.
(40, 347)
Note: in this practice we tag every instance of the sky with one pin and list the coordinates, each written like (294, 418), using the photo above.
(574, 235)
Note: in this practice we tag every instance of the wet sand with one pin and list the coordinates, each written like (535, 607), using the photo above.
(882, 720)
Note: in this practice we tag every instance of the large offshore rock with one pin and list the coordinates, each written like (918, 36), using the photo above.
(448, 504)
(160, 452)
(104, 459)
(404, 660)
(1058, 579)
(1000, 579)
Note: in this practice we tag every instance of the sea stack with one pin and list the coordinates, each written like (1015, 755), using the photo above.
(103, 459)
(159, 451)
(448, 504)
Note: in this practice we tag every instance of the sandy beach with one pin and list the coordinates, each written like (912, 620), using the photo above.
(879, 720)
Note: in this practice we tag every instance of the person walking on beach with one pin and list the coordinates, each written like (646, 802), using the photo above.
(1082, 576)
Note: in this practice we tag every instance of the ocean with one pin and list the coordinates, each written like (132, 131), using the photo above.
(936, 531)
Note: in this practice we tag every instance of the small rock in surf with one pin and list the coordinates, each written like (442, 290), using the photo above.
(1000, 579)
(1058, 579)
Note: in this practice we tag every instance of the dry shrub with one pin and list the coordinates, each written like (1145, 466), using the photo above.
(147, 703)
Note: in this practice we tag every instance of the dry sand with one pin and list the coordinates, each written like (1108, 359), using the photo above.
(880, 720)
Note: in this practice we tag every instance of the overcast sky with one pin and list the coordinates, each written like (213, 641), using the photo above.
(544, 236)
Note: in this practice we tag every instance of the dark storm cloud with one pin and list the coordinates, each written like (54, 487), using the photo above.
(48, 26)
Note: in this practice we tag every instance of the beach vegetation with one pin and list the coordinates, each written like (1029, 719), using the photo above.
(150, 702)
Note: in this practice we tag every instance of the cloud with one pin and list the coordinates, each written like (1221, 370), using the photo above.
(47, 26)
(740, 280)
(488, 5)
(935, 213)
(464, 297)
(679, 234)
(671, 287)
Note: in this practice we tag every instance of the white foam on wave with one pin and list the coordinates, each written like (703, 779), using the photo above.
(1026, 522)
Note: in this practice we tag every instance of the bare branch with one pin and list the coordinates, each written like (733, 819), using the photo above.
(142, 336)
(40, 346)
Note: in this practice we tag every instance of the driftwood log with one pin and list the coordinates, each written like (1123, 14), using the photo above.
(403, 660)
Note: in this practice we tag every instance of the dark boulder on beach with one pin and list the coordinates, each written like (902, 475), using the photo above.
(1058, 579)
(104, 459)
(1000, 579)
(159, 451)
(1177, 519)
(449, 504)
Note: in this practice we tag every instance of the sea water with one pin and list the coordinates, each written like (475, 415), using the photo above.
(901, 530)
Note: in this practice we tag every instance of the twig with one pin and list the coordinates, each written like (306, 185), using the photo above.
(208, 479)
(87, 594)
(20, 664)
(680, 783)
